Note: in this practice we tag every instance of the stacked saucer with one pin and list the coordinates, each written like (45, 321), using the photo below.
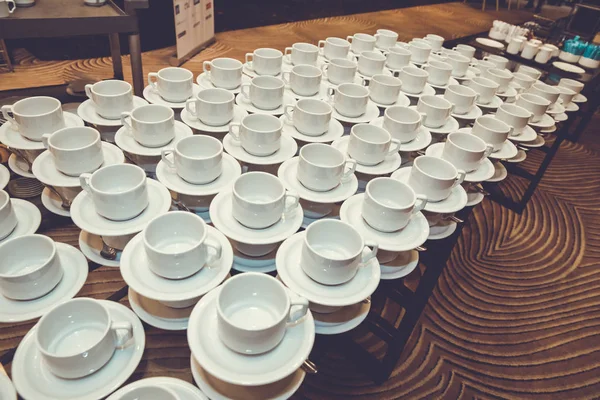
(164, 388)
(475, 193)
(402, 264)
(18, 217)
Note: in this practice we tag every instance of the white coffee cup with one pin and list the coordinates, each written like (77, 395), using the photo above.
(260, 200)
(385, 38)
(224, 72)
(434, 178)
(111, 98)
(213, 107)
(332, 252)
(534, 73)
(397, 57)
(499, 61)
(533, 103)
(465, 151)
(349, 99)
(544, 54)
(485, 88)
(78, 337)
(491, 130)
(460, 64)
(8, 218)
(172, 84)
(254, 311)
(439, 72)
(304, 80)
(572, 84)
(384, 89)
(550, 93)
(177, 245)
(309, 116)
(151, 125)
(265, 61)
(258, 134)
(197, 159)
(334, 47)
(402, 123)
(462, 97)
(514, 47)
(340, 70)
(264, 92)
(434, 110)
(483, 66)
(371, 63)
(75, 150)
(523, 80)
(6, 9)
(501, 76)
(361, 42)
(370, 144)
(420, 51)
(322, 167)
(435, 41)
(530, 50)
(413, 79)
(390, 204)
(514, 116)
(35, 116)
(566, 95)
(302, 54)
(119, 191)
(465, 50)
(148, 392)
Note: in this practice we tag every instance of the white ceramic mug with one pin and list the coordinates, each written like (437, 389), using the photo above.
(499, 61)
(566, 95)
(536, 105)
(434, 110)
(6, 9)
(119, 191)
(384, 89)
(172, 84)
(224, 72)
(501, 76)
(258, 134)
(514, 47)
(309, 116)
(439, 72)
(572, 84)
(371, 63)
(260, 200)
(465, 151)
(111, 98)
(523, 80)
(332, 252)
(491, 130)
(462, 97)
(177, 245)
(483, 66)
(75, 150)
(435, 41)
(413, 79)
(361, 42)
(334, 47)
(302, 54)
(402, 123)
(8, 218)
(35, 116)
(385, 38)
(420, 51)
(197, 159)
(78, 337)
(390, 204)
(550, 93)
(304, 80)
(151, 125)
(322, 167)
(544, 54)
(370, 144)
(340, 70)
(434, 178)
(349, 99)
(485, 88)
(265, 61)
(514, 116)
(264, 92)
(254, 311)
(397, 57)
(534, 73)
(530, 50)
(460, 64)
(213, 107)
(465, 50)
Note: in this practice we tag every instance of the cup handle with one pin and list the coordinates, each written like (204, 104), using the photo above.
(8, 109)
(424, 66)
(206, 67)
(245, 94)
(489, 149)
(235, 133)
(84, 182)
(330, 95)
(164, 154)
(124, 121)
(460, 178)
(292, 205)
(216, 251)
(45, 138)
(394, 147)
(249, 58)
(365, 82)
(350, 38)
(123, 332)
(374, 247)
(420, 203)
(297, 301)
(396, 72)
(324, 69)
(188, 108)
(88, 91)
(285, 76)
(288, 112)
(14, 6)
(287, 53)
(349, 168)
(321, 45)
(151, 82)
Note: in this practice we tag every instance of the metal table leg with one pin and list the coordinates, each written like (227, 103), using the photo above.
(115, 53)
(135, 51)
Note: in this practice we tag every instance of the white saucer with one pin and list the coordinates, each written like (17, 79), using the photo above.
(579, 98)
(12, 138)
(124, 139)
(288, 174)
(169, 178)
(568, 67)
(508, 150)
(484, 172)
(442, 230)
(492, 105)
(561, 117)
(4, 176)
(335, 130)
(470, 74)
(473, 114)
(320, 95)
(509, 92)
(545, 123)
(75, 272)
(53, 203)
(19, 166)
(45, 170)
(244, 263)
(370, 114)
(287, 150)
(357, 80)
(84, 213)
(402, 101)
(455, 202)
(427, 91)
(556, 109)
(450, 126)
(28, 216)
(154, 98)
(549, 130)
(205, 83)
(401, 266)
(34, 381)
(527, 134)
(248, 106)
(291, 274)
(185, 390)
(137, 274)
(91, 245)
(388, 165)
(539, 141)
(158, 315)
(343, 320)
(571, 107)
(251, 73)
(87, 112)
(422, 140)
(238, 114)
(220, 390)
(385, 71)
(451, 81)
(474, 198)
(407, 238)
(221, 215)
(489, 43)
(520, 157)
(500, 172)
(7, 390)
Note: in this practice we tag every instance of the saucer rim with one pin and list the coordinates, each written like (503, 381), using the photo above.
(139, 150)
(194, 123)
(100, 121)
(422, 131)
(395, 159)
(83, 244)
(284, 153)
(48, 203)
(77, 122)
(156, 322)
(342, 327)
(250, 108)
(297, 135)
(361, 119)
(176, 106)
(162, 380)
(27, 209)
(14, 167)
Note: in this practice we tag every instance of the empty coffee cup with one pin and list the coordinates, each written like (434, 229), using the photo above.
(349, 99)
(384, 89)
(265, 61)
(310, 117)
(402, 123)
(302, 54)
(340, 70)
(485, 88)
(397, 57)
(119, 192)
(462, 98)
(491, 130)
(501, 76)
(465, 151)
(435, 41)
(75, 150)
(361, 42)
(465, 50)
(536, 105)
(499, 61)
(34, 116)
(264, 92)
(304, 80)
(149, 392)
(514, 116)
(534, 73)
(197, 159)
(334, 47)
(550, 93)
(172, 84)
(385, 38)
(110, 98)
(224, 73)
(566, 95)
(413, 79)
(8, 218)
(439, 72)
(213, 107)
(483, 66)
(322, 167)
(419, 50)
(434, 110)
(151, 125)
(434, 178)
(572, 84)
(523, 80)
(254, 311)
(460, 64)
(177, 245)
(258, 134)
(370, 144)
(371, 63)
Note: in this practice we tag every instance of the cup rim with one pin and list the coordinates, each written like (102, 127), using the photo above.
(318, 223)
(396, 182)
(159, 219)
(39, 267)
(372, 56)
(370, 140)
(379, 78)
(464, 134)
(317, 71)
(319, 145)
(537, 100)
(62, 130)
(260, 116)
(280, 82)
(336, 62)
(352, 95)
(5, 203)
(314, 113)
(218, 90)
(313, 48)
(511, 108)
(203, 137)
(57, 102)
(387, 32)
(340, 41)
(493, 118)
(364, 37)
(190, 74)
(270, 49)
(239, 66)
(114, 94)
(417, 120)
(117, 166)
(155, 106)
(449, 164)
(235, 192)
